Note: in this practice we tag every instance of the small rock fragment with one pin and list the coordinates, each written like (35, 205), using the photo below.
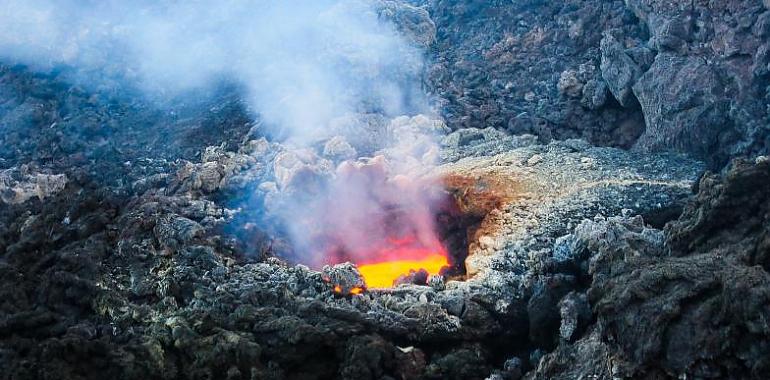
(534, 160)
(569, 84)
(344, 279)
(173, 231)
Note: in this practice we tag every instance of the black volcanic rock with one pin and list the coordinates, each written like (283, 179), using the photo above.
(619, 70)
(691, 305)
(500, 63)
(684, 76)
(130, 247)
(155, 274)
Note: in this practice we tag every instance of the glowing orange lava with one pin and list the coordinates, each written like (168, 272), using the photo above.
(383, 274)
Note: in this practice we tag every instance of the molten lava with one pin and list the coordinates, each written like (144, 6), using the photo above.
(381, 220)
(384, 274)
(400, 258)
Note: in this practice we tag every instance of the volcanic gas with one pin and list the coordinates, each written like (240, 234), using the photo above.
(383, 221)
(389, 232)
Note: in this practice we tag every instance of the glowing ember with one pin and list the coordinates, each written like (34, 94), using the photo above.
(382, 221)
(382, 275)
(399, 258)
(356, 291)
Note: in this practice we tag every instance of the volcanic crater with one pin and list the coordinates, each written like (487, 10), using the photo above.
(412, 190)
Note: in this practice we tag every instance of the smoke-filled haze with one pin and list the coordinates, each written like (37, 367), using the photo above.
(301, 62)
(303, 65)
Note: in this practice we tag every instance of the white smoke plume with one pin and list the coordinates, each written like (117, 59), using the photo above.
(309, 68)
(302, 62)
(369, 210)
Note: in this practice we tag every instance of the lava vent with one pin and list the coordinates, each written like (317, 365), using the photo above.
(392, 228)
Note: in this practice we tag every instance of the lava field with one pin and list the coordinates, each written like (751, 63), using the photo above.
(384, 189)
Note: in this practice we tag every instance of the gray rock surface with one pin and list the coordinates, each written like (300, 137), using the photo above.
(17, 185)
(687, 77)
(531, 67)
(680, 118)
(619, 70)
(132, 252)
(160, 272)
(689, 301)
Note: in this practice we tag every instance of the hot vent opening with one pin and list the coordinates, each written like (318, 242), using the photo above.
(400, 255)
(471, 201)
(393, 229)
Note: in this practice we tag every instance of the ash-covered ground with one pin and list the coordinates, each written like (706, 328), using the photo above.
(610, 216)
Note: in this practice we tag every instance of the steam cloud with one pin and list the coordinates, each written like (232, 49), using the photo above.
(302, 63)
(304, 66)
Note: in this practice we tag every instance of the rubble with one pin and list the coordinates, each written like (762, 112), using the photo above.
(650, 74)
(153, 254)
(18, 185)
(185, 295)
(174, 231)
(675, 302)
(344, 279)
